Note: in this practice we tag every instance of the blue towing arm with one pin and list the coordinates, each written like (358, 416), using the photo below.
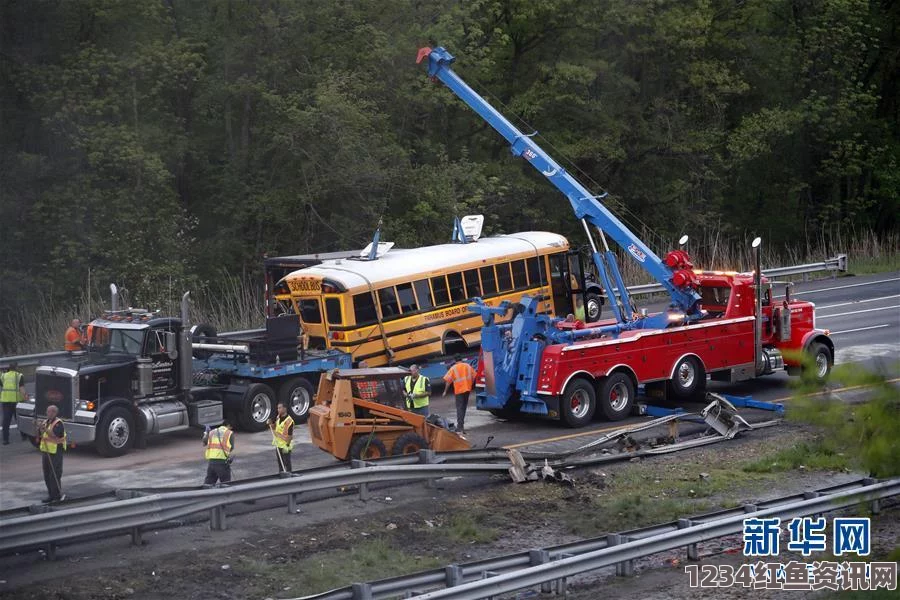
(673, 275)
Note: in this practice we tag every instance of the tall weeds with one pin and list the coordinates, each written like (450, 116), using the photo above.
(234, 303)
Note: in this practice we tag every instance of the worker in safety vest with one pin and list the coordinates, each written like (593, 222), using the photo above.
(12, 391)
(74, 337)
(283, 437)
(219, 444)
(462, 376)
(52, 435)
(417, 388)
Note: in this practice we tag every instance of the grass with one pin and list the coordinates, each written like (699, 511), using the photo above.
(465, 528)
(371, 559)
(816, 455)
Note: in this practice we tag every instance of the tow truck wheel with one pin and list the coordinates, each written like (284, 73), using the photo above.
(297, 395)
(594, 307)
(367, 448)
(576, 409)
(257, 408)
(689, 379)
(115, 432)
(616, 396)
(821, 362)
(409, 443)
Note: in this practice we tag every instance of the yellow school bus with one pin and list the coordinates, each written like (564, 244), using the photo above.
(410, 305)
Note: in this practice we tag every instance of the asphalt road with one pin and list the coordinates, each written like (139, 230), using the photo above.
(862, 313)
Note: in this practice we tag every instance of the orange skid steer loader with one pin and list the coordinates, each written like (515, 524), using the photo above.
(360, 414)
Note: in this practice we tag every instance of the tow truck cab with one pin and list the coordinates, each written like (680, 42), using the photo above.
(133, 380)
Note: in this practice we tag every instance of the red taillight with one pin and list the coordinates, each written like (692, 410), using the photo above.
(337, 335)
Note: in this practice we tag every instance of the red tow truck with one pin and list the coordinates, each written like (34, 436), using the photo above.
(725, 325)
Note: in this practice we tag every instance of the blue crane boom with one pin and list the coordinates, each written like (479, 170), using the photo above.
(673, 274)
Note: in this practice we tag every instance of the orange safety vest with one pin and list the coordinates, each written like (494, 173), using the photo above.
(217, 443)
(73, 340)
(462, 375)
(49, 442)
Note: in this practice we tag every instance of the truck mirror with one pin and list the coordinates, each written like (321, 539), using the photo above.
(171, 344)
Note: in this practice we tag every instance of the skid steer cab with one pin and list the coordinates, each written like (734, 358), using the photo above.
(360, 414)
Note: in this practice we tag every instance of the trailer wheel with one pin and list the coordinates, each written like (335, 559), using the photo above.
(578, 403)
(257, 407)
(689, 379)
(367, 447)
(296, 394)
(115, 432)
(409, 443)
(821, 361)
(616, 396)
(594, 306)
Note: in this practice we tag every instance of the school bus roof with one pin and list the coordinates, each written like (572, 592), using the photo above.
(413, 263)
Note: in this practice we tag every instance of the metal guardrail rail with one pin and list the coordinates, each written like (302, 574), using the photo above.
(31, 360)
(835, 264)
(546, 566)
(129, 515)
(838, 263)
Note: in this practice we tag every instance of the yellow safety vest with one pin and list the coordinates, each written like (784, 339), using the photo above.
(9, 392)
(419, 392)
(49, 442)
(282, 440)
(217, 444)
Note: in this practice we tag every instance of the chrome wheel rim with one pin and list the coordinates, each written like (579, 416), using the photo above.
(618, 397)
(579, 404)
(593, 311)
(261, 408)
(300, 401)
(686, 374)
(821, 365)
(118, 433)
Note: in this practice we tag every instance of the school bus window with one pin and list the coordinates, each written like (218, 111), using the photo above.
(439, 288)
(457, 293)
(407, 298)
(364, 309)
(534, 271)
(473, 288)
(518, 271)
(388, 300)
(309, 311)
(333, 311)
(488, 281)
(423, 294)
(545, 276)
(504, 280)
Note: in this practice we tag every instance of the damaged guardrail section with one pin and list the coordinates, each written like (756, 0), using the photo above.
(550, 567)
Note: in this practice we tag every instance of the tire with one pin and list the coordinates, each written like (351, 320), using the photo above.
(409, 443)
(689, 380)
(257, 407)
(200, 333)
(821, 362)
(578, 403)
(616, 396)
(115, 432)
(593, 307)
(365, 447)
(297, 394)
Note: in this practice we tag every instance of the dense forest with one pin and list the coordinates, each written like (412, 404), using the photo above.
(162, 143)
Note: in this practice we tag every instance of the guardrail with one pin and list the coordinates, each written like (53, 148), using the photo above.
(544, 566)
(33, 360)
(838, 263)
(835, 264)
(130, 515)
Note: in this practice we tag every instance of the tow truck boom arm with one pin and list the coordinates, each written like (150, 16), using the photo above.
(673, 274)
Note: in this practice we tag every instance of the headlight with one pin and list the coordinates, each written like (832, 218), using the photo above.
(85, 405)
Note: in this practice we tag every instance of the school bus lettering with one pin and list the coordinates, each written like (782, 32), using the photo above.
(445, 314)
(305, 285)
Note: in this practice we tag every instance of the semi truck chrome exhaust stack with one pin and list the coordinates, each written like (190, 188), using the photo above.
(185, 359)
